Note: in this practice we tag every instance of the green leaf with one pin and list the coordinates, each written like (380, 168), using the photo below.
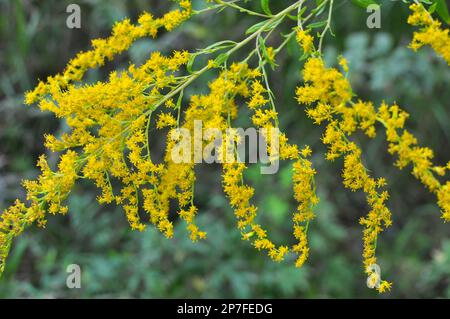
(318, 24)
(259, 25)
(364, 3)
(191, 62)
(221, 59)
(218, 46)
(442, 10)
(265, 7)
(432, 9)
(262, 46)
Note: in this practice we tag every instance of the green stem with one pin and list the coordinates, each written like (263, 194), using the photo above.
(327, 27)
(241, 9)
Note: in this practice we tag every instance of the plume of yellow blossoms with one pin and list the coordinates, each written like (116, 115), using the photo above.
(110, 125)
(329, 90)
(431, 32)
(306, 40)
(108, 138)
(240, 194)
(124, 34)
(334, 104)
(329, 96)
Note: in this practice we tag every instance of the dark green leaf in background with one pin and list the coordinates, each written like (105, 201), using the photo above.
(364, 3)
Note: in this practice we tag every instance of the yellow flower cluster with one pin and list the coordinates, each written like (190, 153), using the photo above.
(240, 195)
(124, 34)
(46, 195)
(108, 140)
(212, 110)
(334, 99)
(329, 96)
(109, 123)
(166, 120)
(304, 194)
(330, 91)
(431, 32)
(306, 41)
(405, 146)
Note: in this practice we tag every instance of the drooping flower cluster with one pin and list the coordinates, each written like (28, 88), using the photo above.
(240, 194)
(124, 34)
(329, 98)
(306, 40)
(363, 115)
(329, 90)
(110, 131)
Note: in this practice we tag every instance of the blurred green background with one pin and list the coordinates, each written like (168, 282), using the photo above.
(116, 262)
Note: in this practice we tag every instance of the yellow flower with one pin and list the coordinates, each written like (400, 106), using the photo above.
(303, 184)
(306, 41)
(430, 33)
(124, 34)
(343, 63)
(384, 287)
(306, 152)
(166, 120)
(110, 124)
(271, 55)
(331, 93)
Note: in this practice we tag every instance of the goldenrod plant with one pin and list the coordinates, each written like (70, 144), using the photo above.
(111, 126)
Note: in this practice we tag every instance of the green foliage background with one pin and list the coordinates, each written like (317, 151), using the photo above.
(116, 262)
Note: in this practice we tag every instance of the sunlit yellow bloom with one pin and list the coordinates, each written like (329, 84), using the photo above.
(306, 41)
(431, 32)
